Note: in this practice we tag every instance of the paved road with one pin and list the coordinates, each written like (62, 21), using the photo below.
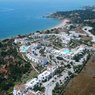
(49, 86)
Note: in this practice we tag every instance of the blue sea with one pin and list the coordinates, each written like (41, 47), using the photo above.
(26, 16)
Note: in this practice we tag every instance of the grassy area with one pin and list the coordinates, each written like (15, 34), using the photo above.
(83, 84)
(28, 76)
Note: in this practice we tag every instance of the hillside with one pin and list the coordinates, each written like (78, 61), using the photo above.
(12, 66)
(83, 84)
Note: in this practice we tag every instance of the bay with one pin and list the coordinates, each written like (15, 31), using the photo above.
(26, 16)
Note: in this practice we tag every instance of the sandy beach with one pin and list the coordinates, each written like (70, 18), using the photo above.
(62, 24)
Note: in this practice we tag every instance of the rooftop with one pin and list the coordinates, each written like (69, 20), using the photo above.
(20, 87)
(32, 82)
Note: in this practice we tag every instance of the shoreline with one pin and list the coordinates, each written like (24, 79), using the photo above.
(61, 24)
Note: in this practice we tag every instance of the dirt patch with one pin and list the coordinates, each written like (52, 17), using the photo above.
(84, 83)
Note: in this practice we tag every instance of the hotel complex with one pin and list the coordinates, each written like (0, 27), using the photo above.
(56, 54)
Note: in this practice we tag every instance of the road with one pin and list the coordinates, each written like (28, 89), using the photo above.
(50, 85)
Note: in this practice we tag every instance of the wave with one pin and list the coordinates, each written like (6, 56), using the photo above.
(6, 10)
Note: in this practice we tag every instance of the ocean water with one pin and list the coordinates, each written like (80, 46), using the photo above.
(26, 16)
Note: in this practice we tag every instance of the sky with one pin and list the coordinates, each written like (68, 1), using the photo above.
(43, 0)
(47, 1)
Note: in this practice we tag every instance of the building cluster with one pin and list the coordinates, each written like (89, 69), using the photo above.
(29, 86)
(40, 50)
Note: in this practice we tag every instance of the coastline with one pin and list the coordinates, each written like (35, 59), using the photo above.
(61, 24)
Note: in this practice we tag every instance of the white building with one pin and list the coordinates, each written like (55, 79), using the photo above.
(20, 40)
(44, 76)
(32, 83)
(33, 58)
(73, 34)
(78, 50)
(52, 68)
(19, 90)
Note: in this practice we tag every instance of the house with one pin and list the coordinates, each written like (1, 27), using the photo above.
(19, 90)
(39, 93)
(43, 61)
(52, 68)
(32, 57)
(26, 88)
(32, 83)
(22, 90)
(30, 93)
(20, 40)
(73, 34)
(44, 76)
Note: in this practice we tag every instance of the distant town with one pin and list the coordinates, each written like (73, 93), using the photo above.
(56, 55)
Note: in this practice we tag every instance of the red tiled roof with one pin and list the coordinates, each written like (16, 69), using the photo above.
(30, 93)
(20, 87)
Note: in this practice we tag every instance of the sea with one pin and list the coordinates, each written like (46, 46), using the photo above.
(18, 17)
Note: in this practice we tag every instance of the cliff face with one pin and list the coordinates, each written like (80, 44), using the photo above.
(12, 66)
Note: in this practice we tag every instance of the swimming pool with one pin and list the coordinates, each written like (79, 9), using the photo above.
(66, 51)
(24, 48)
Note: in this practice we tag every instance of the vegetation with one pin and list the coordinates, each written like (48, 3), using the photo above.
(77, 68)
(59, 58)
(57, 43)
(84, 16)
(74, 43)
(12, 66)
(58, 90)
(39, 88)
(77, 16)
(59, 71)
